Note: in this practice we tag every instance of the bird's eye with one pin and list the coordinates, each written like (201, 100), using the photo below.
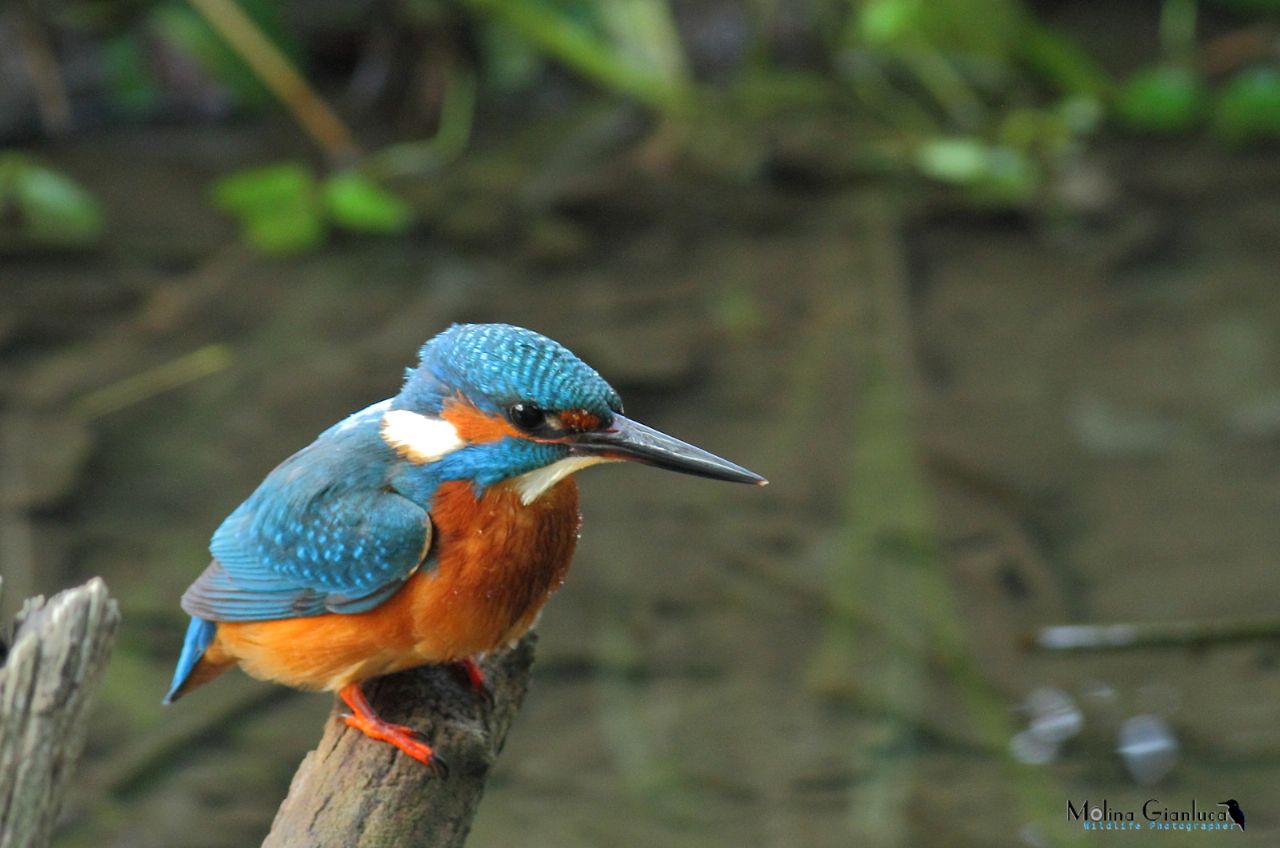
(527, 416)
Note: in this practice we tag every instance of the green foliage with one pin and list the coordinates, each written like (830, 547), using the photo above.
(961, 91)
(278, 207)
(992, 173)
(1061, 62)
(49, 207)
(285, 209)
(188, 32)
(629, 46)
(1164, 99)
(511, 63)
(1009, 171)
(985, 27)
(1248, 109)
(357, 203)
(130, 85)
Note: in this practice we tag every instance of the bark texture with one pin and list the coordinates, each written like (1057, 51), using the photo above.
(48, 680)
(355, 792)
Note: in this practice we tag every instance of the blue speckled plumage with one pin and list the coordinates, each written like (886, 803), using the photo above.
(497, 364)
(322, 533)
(340, 525)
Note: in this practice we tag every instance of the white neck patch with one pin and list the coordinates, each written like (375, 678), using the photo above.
(418, 438)
(534, 484)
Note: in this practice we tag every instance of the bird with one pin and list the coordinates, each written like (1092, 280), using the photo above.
(1234, 811)
(427, 528)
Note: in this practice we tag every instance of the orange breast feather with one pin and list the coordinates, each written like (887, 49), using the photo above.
(498, 561)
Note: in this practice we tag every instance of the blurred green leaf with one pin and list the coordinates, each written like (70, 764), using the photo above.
(357, 203)
(260, 188)
(292, 230)
(1163, 99)
(1061, 62)
(1248, 110)
(279, 207)
(953, 160)
(51, 207)
(990, 28)
(644, 34)
(285, 209)
(884, 22)
(646, 63)
(991, 173)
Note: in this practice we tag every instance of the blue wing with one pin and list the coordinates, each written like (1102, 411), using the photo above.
(323, 533)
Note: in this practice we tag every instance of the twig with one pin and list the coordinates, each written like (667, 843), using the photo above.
(279, 75)
(42, 67)
(1081, 638)
(352, 792)
(457, 111)
(202, 362)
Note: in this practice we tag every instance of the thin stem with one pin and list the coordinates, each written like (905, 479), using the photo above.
(279, 75)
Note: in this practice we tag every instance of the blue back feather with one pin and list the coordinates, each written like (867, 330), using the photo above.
(324, 532)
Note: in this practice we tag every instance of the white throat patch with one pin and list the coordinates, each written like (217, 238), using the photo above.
(419, 438)
(533, 484)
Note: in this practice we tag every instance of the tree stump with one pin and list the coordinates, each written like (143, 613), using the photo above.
(354, 792)
(50, 674)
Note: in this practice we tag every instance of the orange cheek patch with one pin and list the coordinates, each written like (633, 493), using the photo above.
(579, 420)
(474, 426)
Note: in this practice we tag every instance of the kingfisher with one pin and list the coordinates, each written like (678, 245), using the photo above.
(431, 527)
(1233, 811)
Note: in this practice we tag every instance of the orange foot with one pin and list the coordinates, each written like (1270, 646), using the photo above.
(364, 719)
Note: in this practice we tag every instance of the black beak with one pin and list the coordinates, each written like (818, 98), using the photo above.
(627, 439)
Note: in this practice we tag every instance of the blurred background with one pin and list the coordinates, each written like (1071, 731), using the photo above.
(987, 288)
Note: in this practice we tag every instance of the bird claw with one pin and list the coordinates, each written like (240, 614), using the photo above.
(405, 738)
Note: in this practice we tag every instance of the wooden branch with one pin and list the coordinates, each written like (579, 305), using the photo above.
(353, 792)
(47, 684)
(1081, 638)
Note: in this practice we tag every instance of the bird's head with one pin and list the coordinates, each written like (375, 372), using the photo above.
(491, 402)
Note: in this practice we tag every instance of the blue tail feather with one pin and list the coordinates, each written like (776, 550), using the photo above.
(199, 636)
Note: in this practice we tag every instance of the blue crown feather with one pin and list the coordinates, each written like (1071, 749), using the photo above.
(496, 365)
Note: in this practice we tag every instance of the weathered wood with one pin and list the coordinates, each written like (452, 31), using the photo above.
(354, 792)
(47, 685)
